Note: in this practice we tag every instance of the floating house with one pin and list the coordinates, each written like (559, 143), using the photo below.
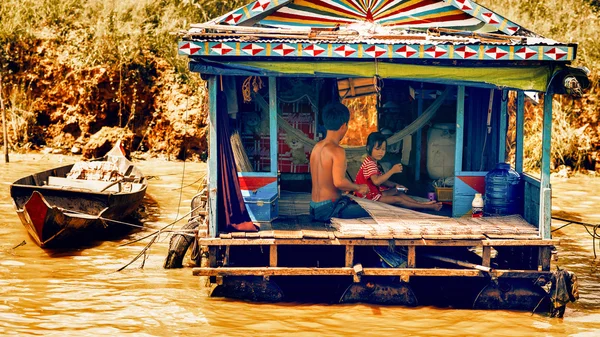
(441, 73)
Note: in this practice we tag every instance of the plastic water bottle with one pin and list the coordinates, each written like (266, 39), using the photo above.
(477, 205)
(502, 191)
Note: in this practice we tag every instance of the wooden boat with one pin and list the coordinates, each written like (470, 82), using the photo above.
(73, 205)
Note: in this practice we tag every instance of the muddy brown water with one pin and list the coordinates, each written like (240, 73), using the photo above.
(79, 293)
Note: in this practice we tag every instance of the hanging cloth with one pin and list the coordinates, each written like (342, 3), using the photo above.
(232, 213)
(360, 150)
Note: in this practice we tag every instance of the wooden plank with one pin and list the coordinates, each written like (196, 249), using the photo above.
(349, 256)
(252, 235)
(364, 242)
(238, 235)
(212, 256)
(349, 271)
(273, 256)
(352, 241)
(281, 234)
(266, 230)
(412, 257)
(545, 254)
(538, 242)
(286, 230)
(315, 234)
(341, 235)
(486, 256)
(513, 237)
(311, 230)
(453, 237)
(225, 235)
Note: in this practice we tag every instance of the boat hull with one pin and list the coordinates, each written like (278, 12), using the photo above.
(70, 217)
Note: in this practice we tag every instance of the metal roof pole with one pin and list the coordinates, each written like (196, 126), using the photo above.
(545, 191)
(520, 126)
(458, 151)
(213, 228)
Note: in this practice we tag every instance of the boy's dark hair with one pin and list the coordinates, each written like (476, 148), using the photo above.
(335, 115)
(375, 139)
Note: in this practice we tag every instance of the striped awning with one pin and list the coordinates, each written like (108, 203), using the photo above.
(457, 14)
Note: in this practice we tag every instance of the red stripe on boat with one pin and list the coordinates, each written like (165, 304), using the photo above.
(37, 209)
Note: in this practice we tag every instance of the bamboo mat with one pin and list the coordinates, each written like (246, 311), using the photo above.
(396, 222)
(294, 203)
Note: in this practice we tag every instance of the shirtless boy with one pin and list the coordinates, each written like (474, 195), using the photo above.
(328, 171)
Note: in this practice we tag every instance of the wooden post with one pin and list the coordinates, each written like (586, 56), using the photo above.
(486, 257)
(273, 256)
(4, 127)
(349, 256)
(212, 256)
(545, 197)
(412, 257)
(226, 256)
(418, 138)
(458, 151)
(545, 255)
(503, 122)
(520, 121)
(273, 123)
(213, 228)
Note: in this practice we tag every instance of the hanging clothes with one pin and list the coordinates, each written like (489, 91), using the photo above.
(231, 209)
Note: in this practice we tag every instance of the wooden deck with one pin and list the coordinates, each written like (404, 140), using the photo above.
(386, 223)
(388, 226)
(302, 228)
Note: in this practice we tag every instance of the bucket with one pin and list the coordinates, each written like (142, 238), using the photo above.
(502, 191)
(441, 141)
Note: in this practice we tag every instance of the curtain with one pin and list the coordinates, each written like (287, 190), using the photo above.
(232, 213)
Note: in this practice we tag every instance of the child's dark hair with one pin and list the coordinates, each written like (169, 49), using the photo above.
(374, 140)
(335, 115)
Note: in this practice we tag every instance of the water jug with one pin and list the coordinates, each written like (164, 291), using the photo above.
(502, 191)
(441, 143)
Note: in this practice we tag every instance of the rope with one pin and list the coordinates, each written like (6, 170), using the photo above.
(595, 234)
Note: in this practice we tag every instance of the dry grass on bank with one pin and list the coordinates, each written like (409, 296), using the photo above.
(575, 125)
(72, 67)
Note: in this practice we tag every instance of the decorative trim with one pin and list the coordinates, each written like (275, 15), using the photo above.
(380, 51)
(491, 18)
(250, 11)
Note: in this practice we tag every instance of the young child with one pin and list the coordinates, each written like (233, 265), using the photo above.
(380, 188)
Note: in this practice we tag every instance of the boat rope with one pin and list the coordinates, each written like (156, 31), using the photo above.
(594, 232)
(163, 229)
(154, 236)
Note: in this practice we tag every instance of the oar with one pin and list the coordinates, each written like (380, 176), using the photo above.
(112, 184)
(460, 263)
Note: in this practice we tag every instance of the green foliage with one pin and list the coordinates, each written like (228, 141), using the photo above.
(575, 127)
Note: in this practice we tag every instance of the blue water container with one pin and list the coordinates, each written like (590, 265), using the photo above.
(502, 191)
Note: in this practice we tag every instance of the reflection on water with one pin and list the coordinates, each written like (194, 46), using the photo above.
(78, 293)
